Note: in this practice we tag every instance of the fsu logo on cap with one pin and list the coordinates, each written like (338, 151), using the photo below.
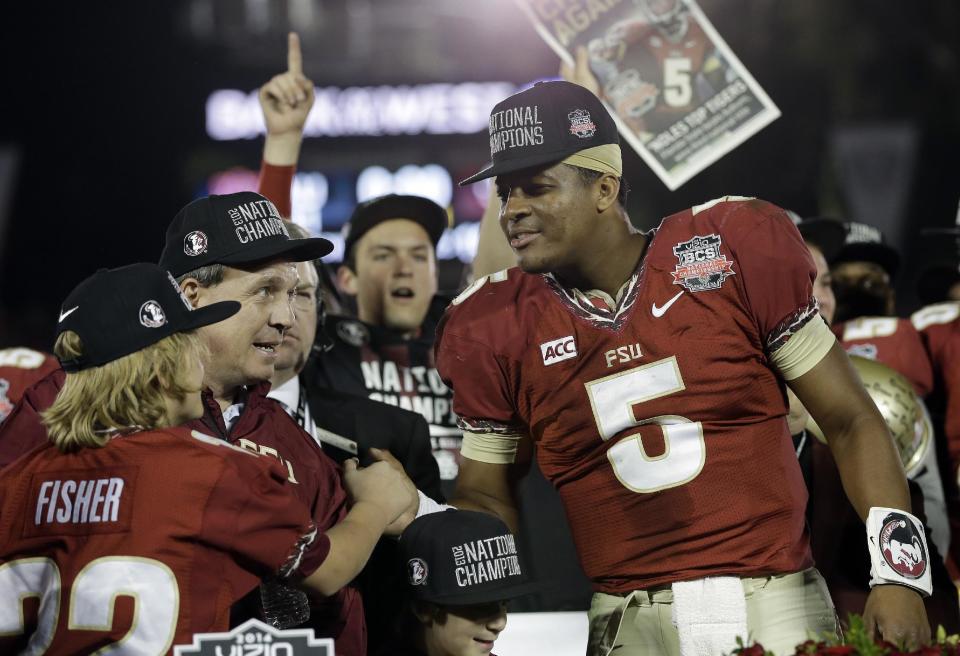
(152, 315)
(581, 124)
(902, 547)
(416, 571)
(195, 243)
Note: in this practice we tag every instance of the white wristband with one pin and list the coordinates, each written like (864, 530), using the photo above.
(898, 550)
(428, 506)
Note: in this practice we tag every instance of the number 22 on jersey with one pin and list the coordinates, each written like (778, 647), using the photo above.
(91, 599)
(613, 399)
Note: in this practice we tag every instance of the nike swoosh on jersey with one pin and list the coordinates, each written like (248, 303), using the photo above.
(662, 310)
(64, 315)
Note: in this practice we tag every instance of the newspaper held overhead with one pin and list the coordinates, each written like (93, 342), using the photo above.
(679, 95)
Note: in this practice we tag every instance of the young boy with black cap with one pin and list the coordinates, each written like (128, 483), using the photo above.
(461, 568)
(121, 501)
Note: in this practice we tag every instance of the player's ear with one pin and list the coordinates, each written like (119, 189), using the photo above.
(607, 189)
(191, 290)
(347, 280)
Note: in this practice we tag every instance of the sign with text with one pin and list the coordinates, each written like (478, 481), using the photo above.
(680, 97)
(254, 638)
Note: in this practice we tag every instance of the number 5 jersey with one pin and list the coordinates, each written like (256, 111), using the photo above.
(658, 416)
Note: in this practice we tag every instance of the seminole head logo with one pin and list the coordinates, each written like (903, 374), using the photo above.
(416, 571)
(195, 243)
(152, 315)
(902, 547)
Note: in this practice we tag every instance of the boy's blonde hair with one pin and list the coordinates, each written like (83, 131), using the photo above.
(126, 394)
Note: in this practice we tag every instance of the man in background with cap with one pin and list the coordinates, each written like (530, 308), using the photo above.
(648, 372)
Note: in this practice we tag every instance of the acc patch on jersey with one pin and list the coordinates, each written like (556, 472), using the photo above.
(701, 266)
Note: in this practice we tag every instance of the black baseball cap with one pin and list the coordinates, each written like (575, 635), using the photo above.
(418, 209)
(825, 233)
(117, 312)
(462, 557)
(239, 228)
(866, 243)
(545, 124)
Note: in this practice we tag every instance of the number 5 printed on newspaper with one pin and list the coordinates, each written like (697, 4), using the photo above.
(680, 96)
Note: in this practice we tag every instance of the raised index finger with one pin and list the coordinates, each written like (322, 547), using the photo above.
(294, 58)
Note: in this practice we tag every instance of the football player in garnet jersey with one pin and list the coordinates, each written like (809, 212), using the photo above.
(647, 373)
(133, 530)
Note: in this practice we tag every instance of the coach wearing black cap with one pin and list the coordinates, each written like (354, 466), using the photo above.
(237, 247)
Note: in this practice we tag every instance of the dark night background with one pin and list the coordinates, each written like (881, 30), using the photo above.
(103, 113)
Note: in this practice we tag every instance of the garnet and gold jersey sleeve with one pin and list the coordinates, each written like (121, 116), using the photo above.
(776, 271)
(476, 364)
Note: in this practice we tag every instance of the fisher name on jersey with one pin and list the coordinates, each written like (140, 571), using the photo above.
(142, 543)
(661, 420)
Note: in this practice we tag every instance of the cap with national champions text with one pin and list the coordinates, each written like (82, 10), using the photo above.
(549, 123)
(116, 312)
(462, 557)
(240, 228)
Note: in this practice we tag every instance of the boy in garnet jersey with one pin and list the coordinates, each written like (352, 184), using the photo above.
(133, 530)
(647, 372)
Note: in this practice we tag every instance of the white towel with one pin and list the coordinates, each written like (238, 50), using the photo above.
(710, 614)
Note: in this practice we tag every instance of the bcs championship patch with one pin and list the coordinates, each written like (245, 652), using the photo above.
(700, 264)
